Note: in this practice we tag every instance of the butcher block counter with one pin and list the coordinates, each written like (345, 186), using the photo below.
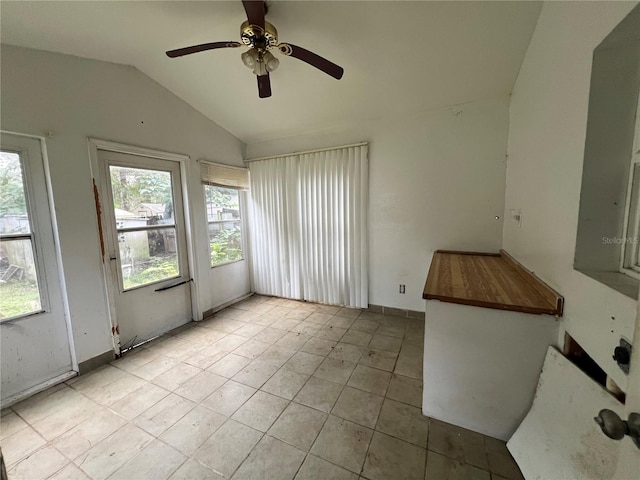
(488, 324)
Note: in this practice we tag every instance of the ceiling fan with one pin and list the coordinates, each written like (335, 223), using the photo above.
(261, 37)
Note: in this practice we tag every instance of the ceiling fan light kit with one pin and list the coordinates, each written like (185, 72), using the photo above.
(261, 36)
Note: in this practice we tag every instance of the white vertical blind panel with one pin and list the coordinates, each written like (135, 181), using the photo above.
(322, 216)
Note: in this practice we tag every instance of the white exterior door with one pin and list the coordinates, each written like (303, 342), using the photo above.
(35, 335)
(145, 245)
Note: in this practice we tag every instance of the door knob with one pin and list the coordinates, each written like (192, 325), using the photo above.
(614, 427)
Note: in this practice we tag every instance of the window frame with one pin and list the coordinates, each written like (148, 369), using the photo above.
(239, 221)
(33, 236)
(630, 250)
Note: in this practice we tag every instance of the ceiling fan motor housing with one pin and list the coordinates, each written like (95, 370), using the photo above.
(258, 38)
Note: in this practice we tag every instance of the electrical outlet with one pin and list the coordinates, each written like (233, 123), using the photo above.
(401, 288)
(516, 216)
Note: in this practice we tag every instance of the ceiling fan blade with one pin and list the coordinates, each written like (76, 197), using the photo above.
(255, 12)
(264, 86)
(179, 52)
(312, 59)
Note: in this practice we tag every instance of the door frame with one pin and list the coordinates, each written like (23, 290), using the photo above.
(111, 286)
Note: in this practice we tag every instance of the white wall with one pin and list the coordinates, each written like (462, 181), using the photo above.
(436, 181)
(548, 119)
(76, 98)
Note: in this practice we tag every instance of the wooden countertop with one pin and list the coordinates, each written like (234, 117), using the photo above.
(491, 280)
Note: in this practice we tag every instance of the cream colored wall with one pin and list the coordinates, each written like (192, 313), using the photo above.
(548, 120)
(71, 99)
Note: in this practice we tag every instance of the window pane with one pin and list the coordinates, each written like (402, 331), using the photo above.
(13, 205)
(225, 241)
(19, 293)
(223, 215)
(148, 256)
(141, 194)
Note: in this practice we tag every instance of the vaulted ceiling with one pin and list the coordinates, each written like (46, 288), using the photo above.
(399, 57)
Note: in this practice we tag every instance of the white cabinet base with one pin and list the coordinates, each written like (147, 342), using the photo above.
(481, 365)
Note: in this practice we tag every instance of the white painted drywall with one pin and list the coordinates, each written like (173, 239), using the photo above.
(75, 98)
(436, 181)
(481, 366)
(548, 120)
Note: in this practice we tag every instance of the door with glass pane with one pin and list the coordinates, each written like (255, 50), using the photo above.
(35, 341)
(146, 245)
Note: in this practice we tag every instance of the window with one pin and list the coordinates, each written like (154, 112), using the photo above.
(224, 224)
(147, 238)
(20, 293)
(222, 191)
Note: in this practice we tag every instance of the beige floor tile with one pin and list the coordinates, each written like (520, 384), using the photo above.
(406, 390)
(270, 335)
(230, 342)
(286, 383)
(114, 451)
(298, 426)
(347, 351)
(500, 460)
(330, 309)
(410, 362)
(229, 397)
(200, 387)
(155, 367)
(385, 342)
(319, 318)
(176, 376)
(260, 411)
(296, 314)
(188, 433)
(349, 312)
(66, 417)
(341, 322)
(192, 470)
(440, 467)
(155, 462)
(96, 379)
(389, 457)
(358, 406)
(392, 329)
(365, 325)
(230, 365)
(370, 379)
(319, 346)
(334, 370)
(293, 340)
(356, 337)
(275, 355)
(379, 359)
(286, 323)
(404, 422)
(306, 328)
(207, 356)
(271, 459)
(251, 349)
(93, 430)
(330, 332)
(41, 464)
(343, 443)
(255, 374)
(48, 402)
(249, 330)
(70, 472)
(303, 362)
(164, 414)
(210, 336)
(228, 447)
(459, 443)
(17, 446)
(116, 390)
(139, 400)
(319, 394)
(182, 352)
(315, 468)
(134, 359)
(10, 424)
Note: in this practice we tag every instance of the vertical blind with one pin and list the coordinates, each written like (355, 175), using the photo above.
(309, 226)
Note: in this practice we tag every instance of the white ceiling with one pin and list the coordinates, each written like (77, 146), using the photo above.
(399, 57)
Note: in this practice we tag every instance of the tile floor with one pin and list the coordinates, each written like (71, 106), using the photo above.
(267, 389)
